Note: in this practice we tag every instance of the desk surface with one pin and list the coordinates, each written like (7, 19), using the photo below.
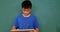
(23, 30)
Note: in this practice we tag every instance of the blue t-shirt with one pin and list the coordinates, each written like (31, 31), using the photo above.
(26, 22)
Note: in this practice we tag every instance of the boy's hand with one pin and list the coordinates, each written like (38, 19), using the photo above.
(36, 30)
(13, 28)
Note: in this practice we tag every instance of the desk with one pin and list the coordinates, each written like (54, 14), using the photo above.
(23, 30)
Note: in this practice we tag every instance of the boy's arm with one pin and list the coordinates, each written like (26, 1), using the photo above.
(36, 25)
(15, 24)
(36, 30)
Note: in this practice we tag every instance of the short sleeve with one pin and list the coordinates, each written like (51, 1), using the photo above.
(35, 23)
(15, 22)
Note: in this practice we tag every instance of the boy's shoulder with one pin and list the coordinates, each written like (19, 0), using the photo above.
(33, 15)
(18, 16)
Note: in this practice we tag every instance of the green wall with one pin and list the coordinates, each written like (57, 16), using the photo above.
(47, 12)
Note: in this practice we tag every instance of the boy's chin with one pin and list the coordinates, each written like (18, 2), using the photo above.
(26, 13)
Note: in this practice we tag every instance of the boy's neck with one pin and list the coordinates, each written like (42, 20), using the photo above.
(26, 15)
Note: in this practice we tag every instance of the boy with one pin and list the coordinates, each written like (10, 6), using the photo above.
(26, 20)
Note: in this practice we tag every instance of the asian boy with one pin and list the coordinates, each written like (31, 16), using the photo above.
(26, 20)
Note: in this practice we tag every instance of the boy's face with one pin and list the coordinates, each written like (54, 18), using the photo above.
(26, 10)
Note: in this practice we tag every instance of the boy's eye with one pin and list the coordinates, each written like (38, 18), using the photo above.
(26, 10)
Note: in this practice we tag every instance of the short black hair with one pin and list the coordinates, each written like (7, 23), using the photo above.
(26, 4)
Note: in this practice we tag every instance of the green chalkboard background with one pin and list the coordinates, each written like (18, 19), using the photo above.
(47, 12)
